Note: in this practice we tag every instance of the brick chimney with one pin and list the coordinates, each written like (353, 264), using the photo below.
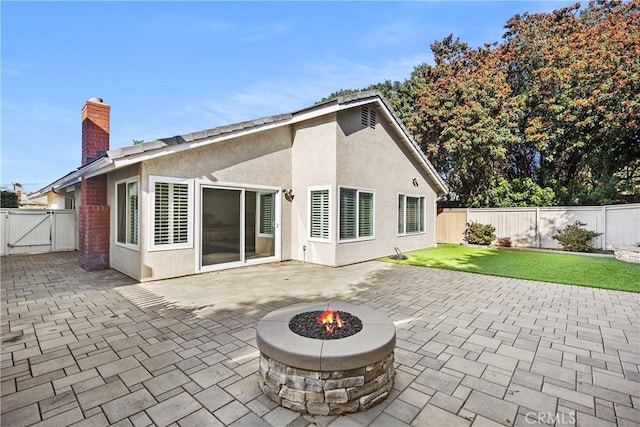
(93, 212)
(95, 129)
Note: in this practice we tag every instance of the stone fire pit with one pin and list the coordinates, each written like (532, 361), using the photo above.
(326, 376)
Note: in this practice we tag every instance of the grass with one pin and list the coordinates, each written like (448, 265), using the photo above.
(596, 272)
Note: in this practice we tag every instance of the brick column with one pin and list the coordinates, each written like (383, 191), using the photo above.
(94, 216)
(93, 212)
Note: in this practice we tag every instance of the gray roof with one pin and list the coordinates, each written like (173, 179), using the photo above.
(195, 136)
(242, 126)
(157, 146)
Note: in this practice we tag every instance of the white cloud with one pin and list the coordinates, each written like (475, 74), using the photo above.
(262, 34)
(10, 71)
(214, 26)
(290, 93)
(394, 32)
(36, 112)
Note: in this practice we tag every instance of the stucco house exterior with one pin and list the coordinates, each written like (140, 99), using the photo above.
(337, 183)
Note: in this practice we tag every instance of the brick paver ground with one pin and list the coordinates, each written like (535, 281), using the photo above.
(96, 348)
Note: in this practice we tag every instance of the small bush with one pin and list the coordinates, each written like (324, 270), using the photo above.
(574, 237)
(479, 234)
(9, 200)
(505, 242)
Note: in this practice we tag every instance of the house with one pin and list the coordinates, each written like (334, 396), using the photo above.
(24, 199)
(337, 183)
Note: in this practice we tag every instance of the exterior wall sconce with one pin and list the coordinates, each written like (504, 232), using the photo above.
(415, 182)
(288, 194)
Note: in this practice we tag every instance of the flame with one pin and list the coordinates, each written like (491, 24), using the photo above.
(331, 320)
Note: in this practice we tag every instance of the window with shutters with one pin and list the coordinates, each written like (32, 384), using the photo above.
(266, 209)
(127, 211)
(356, 214)
(172, 215)
(410, 214)
(320, 214)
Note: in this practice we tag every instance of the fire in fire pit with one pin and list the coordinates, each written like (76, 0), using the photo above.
(325, 325)
(331, 320)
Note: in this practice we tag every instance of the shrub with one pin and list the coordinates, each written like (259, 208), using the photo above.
(479, 234)
(517, 192)
(9, 200)
(574, 237)
(505, 242)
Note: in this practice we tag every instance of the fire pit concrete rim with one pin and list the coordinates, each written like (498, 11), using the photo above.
(374, 342)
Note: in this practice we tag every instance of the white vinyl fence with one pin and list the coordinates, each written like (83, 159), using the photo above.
(533, 227)
(30, 231)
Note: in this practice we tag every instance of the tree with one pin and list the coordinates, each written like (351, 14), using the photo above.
(579, 72)
(466, 118)
(9, 199)
(520, 192)
(554, 105)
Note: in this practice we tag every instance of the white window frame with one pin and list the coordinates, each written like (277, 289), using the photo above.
(329, 239)
(126, 183)
(424, 214)
(259, 214)
(373, 219)
(152, 220)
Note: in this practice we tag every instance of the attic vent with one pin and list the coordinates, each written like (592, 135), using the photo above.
(372, 118)
(368, 117)
(365, 116)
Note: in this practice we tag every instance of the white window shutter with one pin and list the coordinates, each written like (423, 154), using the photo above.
(266, 213)
(319, 214)
(348, 213)
(365, 214)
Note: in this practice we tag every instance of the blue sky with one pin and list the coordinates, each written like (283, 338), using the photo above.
(169, 68)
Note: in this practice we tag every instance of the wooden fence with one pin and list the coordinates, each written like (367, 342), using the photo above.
(533, 227)
(29, 231)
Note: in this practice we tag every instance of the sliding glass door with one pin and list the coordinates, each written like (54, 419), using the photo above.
(237, 226)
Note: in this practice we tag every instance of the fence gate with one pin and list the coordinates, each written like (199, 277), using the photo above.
(25, 231)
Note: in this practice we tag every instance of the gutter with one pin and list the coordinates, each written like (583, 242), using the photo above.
(414, 149)
(97, 167)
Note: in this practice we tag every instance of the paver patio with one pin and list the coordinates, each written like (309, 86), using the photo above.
(96, 348)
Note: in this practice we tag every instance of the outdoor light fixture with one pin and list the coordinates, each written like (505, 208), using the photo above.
(288, 194)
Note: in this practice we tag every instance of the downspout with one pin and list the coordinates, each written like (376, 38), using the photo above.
(435, 222)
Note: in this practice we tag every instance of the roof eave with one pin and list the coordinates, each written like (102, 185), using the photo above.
(95, 168)
(413, 147)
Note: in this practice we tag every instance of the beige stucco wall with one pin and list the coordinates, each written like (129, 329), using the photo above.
(55, 200)
(376, 159)
(330, 151)
(314, 164)
(262, 159)
(121, 258)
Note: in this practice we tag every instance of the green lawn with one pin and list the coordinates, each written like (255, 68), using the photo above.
(597, 272)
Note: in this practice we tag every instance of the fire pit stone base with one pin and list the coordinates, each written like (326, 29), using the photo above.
(326, 392)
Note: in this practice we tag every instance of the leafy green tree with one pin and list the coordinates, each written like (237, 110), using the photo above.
(466, 119)
(579, 73)
(519, 192)
(554, 104)
(9, 199)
